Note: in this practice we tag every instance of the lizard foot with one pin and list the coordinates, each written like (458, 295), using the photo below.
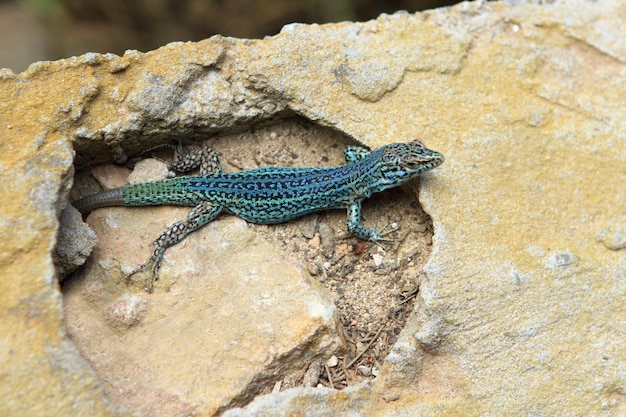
(156, 259)
(379, 237)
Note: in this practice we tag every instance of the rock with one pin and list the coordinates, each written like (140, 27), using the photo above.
(74, 243)
(308, 401)
(227, 317)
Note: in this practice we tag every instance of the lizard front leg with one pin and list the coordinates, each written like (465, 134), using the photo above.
(354, 154)
(357, 229)
(202, 214)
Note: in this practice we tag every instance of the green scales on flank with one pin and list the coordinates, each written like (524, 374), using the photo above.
(268, 195)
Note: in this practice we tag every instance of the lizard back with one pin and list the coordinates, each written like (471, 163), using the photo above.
(264, 195)
(274, 195)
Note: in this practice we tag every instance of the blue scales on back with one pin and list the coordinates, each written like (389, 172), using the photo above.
(269, 195)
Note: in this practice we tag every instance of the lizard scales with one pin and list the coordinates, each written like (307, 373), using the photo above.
(264, 195)
(270, 195)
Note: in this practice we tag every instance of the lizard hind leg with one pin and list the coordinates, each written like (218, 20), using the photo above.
(204, 158)
(200, 215)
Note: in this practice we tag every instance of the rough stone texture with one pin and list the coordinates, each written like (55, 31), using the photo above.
(227, 317)
(74, 242)
(522, 312)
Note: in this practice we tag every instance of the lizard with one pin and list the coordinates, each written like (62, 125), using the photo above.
(267, 195)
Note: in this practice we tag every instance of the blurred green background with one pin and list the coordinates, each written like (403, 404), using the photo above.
(35, 30)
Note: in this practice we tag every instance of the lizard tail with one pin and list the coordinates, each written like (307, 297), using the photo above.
(107, 198)
(172, 191)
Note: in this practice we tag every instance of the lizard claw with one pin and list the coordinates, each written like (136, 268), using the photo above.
(156, 259)
(380, 236)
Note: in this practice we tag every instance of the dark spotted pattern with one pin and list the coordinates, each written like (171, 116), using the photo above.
(275, 195)
(270, 195)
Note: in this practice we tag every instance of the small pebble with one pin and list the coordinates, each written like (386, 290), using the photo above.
(364, 370)
(332, 361)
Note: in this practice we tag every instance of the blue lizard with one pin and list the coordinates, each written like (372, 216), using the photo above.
(268, 195)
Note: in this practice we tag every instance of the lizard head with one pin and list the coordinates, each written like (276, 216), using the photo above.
(403, 161)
